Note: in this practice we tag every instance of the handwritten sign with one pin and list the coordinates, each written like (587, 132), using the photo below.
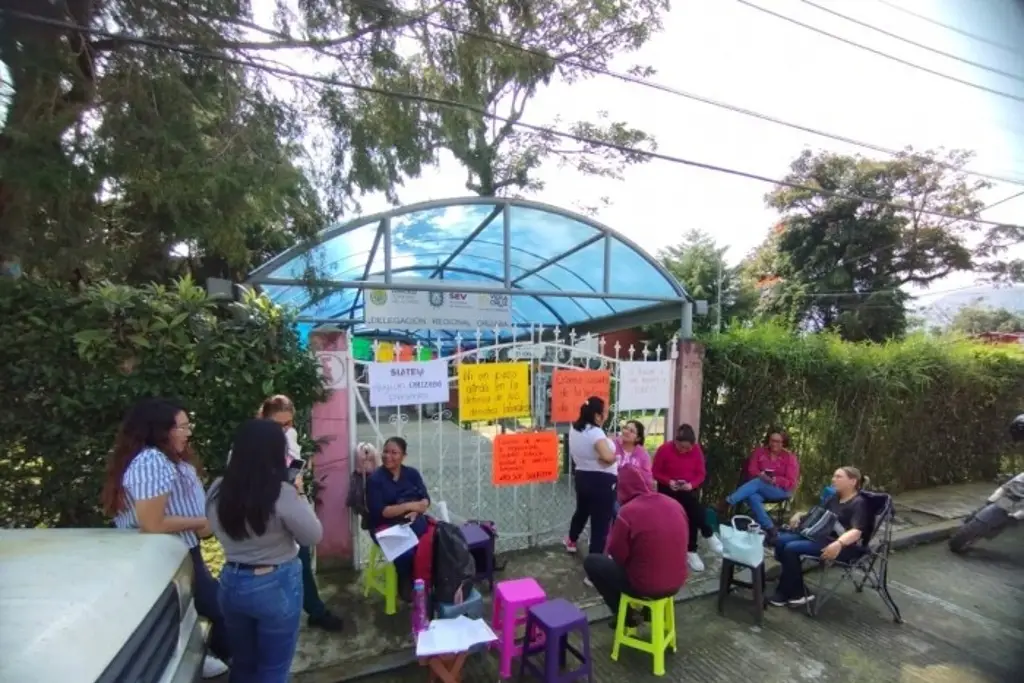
(571, 388)
(489, 391)
(644, 385)
(408, 384)
(524, 458)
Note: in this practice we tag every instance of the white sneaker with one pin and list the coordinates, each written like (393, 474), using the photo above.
(694, 561)
(715, 543)
(213, 667)
(587, 581)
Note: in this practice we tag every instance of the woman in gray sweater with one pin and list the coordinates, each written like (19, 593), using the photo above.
(261, 520)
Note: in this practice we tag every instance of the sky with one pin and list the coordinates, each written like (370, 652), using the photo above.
(731, 52)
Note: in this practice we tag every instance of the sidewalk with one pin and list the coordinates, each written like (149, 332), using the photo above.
(374, 642)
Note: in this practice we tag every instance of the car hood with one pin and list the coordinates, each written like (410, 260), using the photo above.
(71, 598)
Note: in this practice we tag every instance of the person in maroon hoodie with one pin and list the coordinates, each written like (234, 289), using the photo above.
(646, 552)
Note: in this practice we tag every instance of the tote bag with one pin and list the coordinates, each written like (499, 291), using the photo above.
(743, 545)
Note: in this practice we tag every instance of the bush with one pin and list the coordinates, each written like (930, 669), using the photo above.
(75, 362)
(920, 412)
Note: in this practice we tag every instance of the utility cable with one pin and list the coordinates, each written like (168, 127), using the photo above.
(886, 55)
(922, 46)
(954, 29)
(449, 104)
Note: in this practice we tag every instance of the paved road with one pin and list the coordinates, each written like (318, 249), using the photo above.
(964, 623)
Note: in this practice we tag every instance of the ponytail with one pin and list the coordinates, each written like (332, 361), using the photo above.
(589, 411)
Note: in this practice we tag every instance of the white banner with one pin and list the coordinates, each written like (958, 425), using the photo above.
(415, 310)
(408, 384)
(644, 385)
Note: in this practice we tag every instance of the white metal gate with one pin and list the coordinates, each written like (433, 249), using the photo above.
(455, 459)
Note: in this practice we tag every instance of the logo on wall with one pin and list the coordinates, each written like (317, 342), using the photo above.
(437, 299)
(378, 297)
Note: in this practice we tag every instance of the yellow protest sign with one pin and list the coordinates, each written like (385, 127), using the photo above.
(489, 391)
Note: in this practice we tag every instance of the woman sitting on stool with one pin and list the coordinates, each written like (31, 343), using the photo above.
(852, 515)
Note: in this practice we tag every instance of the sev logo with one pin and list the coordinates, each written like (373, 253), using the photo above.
(378, 297)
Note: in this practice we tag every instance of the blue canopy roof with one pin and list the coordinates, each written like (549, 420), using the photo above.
(564, 268)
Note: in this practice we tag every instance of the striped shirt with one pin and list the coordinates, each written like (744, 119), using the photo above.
(151, 474)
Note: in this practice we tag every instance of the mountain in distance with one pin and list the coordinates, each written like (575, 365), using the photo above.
(940, 311)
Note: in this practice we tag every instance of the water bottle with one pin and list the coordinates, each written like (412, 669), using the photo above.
(419, 607)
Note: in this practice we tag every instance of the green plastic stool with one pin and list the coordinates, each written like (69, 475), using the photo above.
(380, 577)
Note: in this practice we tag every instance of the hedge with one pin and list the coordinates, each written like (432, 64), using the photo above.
(75, 361)
(920, 412)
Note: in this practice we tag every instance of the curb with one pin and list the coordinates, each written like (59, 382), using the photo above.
(597, 611)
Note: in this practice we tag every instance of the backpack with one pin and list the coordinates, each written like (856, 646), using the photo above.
(454, 567)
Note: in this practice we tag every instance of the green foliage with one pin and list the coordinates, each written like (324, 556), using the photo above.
(910, 414)
(978, 319)
(74, 363)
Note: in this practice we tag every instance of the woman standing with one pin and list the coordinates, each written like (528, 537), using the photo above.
(152, 484)
(261, 519)
(593, 453)
(281, 410)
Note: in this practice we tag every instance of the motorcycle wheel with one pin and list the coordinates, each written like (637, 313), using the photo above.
(972, 530)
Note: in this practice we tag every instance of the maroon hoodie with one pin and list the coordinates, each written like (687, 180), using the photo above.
(649, 537)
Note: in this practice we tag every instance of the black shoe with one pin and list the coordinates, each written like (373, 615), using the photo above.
(326, 621)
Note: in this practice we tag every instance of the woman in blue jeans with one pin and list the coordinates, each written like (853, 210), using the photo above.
(261, 519)
(854, 520)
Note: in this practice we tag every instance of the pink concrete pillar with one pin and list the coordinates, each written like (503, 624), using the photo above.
(330, 426)
(689, 384)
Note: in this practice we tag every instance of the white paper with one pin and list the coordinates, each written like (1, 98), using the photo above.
(408, 384)
(451, 636)
(644, 385)
(396, 540)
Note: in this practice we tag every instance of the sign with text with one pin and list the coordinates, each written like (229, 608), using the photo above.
(407, 384)
(415, 310)
(489, 391)
(524, 458)
(571, 388)
(644, 385)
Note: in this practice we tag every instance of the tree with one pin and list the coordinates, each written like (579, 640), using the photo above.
(977, 319)
(492, 75)
(840, 263)
(698, 263)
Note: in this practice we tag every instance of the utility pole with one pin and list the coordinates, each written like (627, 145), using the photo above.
(718, 313)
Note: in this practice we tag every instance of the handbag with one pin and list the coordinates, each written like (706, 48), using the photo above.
(743, 545)
(819, 524)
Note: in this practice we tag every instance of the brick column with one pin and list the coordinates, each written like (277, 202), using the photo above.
(689, 383)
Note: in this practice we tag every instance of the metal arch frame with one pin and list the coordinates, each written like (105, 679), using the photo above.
(517, 291)
(257, 275)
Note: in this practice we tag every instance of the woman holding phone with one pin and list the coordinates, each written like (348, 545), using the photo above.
(773, 473)
(281, 410)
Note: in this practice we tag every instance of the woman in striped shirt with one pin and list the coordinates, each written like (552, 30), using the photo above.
(152, 484)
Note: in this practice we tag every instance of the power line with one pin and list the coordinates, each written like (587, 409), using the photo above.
(886, 55)
(629, 78)
(954, 29)
(916, 44)
(424, 99)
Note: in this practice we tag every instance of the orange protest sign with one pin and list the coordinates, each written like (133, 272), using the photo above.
(524, 458)
(570, 388)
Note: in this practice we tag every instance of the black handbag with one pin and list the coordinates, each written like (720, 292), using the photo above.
(819, 524)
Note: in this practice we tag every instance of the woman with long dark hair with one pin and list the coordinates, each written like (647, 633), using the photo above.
(593, 453)
(152, 484)
(261, 519)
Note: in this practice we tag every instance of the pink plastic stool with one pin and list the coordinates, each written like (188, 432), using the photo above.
(511, 600)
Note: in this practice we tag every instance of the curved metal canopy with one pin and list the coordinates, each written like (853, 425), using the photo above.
(560, 268)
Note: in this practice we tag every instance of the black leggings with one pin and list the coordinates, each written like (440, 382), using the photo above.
(695, 515)
(595, 500)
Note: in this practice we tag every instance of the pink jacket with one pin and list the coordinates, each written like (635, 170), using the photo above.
(638, 458)
(785, 465)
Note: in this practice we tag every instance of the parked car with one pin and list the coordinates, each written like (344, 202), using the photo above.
(97, 606)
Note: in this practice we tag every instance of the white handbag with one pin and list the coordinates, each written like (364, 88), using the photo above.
(743, 546)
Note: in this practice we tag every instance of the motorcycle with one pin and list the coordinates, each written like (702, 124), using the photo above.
(1004, 507)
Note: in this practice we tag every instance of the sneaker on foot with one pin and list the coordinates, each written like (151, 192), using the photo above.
(715, 543)
(802, 600)
(570, 546)
(327, 621)
(695, 563)
(213, 667)
(778, 600)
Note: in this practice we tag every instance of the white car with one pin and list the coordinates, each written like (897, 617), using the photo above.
(97, 606)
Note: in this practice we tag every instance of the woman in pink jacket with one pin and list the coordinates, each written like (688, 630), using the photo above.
(629, 449)
(772, 475)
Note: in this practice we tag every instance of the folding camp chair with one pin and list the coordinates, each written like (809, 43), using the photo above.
(868, 564)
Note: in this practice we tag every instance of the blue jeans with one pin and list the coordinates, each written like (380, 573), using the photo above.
(261, 613)
(755, 493)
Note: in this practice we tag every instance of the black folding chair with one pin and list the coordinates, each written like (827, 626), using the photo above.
(867, 564)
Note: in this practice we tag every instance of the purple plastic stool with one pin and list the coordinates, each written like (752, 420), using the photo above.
(556, 619)
(479, 541)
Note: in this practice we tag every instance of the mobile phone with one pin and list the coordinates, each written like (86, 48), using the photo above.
(296, 467)
(770, 473)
